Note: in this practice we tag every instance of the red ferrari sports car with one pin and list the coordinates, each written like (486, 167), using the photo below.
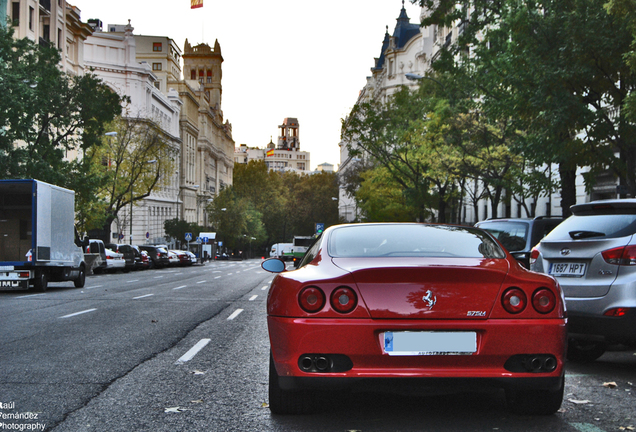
(381, 306)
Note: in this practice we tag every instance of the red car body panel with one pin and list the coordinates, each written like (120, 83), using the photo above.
(393, 295)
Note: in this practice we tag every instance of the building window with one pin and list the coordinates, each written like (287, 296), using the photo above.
(15, 14)
(158, 84)
(31, 12)
(59, 39)
(209, 77)
(157, 46)
(193, 74)
(156, 66)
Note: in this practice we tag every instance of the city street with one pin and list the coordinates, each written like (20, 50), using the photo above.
(186, 349)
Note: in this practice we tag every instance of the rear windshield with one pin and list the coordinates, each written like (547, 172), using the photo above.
(412, 240)
(512, 235)
(594, 226)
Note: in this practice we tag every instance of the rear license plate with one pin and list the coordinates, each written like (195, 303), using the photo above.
(567, 269)
(430, 343)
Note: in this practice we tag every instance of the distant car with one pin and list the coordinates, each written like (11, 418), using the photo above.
(96, 246)
(158, 256)
(127, 251)
(221, 256)
(593, 256)
(422, 305)
(114, 261)
(193, 257)
(174, 258)
(520, 235)
(184, 258)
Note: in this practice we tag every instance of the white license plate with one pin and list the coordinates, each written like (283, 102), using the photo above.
(567, 269)
(430, 343)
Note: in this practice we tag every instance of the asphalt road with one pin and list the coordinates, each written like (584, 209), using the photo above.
(187, 350)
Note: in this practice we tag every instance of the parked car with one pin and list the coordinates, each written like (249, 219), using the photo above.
(145, 260)
(96, 246)
(520, 235)
(114, 261)
(158, 256)
(593, 256)
(174, 258)
(193, 257)
(127, 251)
(183, 257)
(407, 304)
(139, 260)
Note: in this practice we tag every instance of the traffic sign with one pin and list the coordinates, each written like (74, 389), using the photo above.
(205, 239)
(188, 236)
(320, 227)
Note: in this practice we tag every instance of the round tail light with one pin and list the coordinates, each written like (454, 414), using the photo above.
(344, 299)
(543, 300)
(514, 300)
(311, 299)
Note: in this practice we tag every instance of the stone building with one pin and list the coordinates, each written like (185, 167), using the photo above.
(408, 49)
(284, 156)
(50, 22)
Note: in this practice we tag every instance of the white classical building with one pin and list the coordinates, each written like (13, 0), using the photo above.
(281, 157)
(113, 58)
(407, 50)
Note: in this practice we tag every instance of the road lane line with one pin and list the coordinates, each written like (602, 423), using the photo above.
(264, 288)
(30, 295)
(96, 286)
(234, 314)
(133, 280)
(253, 297)
(182, 286)
(78, 313)
(193, 351)
(200, 282)
(158, 277)
(147, 295)
(218, 277)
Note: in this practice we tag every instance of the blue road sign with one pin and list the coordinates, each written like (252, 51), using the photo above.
(188, 236)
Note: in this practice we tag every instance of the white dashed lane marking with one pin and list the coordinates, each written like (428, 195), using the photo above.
(193, 351)
(78, 313)
(234, 314)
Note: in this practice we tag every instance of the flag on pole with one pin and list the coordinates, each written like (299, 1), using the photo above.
(270, 152)
(196, 4)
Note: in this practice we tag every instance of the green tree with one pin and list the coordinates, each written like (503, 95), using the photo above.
(135, 159)
(50, 119)
(557, 70)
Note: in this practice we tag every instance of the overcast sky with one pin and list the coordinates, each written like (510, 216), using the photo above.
(282, 58)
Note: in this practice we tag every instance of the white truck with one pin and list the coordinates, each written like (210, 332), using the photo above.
(38, 240)
(278, 249)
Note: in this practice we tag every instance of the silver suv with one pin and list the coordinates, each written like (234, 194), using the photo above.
(593, 256)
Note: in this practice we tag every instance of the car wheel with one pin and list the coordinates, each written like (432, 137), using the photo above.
(288, 401)
(41, 281)
(81, 278)
(537, 402)
(585, 351)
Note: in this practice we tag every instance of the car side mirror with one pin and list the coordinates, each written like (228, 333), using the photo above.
(273, 265)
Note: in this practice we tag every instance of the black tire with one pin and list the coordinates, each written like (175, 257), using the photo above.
(535, 402)
(81, 278)
(41, 281)
(288, 401)
(580, 351)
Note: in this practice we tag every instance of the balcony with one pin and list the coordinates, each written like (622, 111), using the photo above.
(45, 5)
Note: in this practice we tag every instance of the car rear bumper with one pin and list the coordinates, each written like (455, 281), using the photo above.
(360, 341)
(611, 329)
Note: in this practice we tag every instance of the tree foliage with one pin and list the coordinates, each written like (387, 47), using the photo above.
(133, 162)
(263, 207)
(49, 119)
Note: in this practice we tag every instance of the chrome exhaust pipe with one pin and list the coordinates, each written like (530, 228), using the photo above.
(549, 364)
(306, 363)
(322, 363)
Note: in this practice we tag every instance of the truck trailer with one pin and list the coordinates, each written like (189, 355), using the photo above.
(38, 240)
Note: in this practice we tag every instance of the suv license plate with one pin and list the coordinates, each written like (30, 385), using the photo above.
(567, 269)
